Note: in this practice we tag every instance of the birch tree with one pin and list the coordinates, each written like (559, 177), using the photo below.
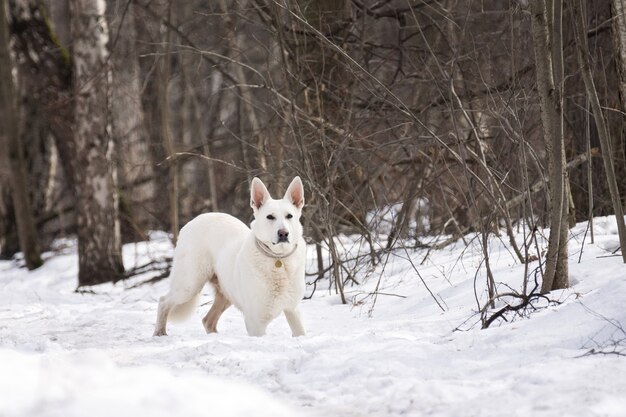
(99, 241)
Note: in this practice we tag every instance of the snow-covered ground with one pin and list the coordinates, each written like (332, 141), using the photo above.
(68, 354)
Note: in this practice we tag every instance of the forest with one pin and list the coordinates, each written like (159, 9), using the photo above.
(442, 117)
(464, 172)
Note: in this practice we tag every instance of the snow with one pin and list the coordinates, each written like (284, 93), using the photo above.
(64, 353)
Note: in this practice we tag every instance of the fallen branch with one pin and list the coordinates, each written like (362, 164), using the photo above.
(526, 302)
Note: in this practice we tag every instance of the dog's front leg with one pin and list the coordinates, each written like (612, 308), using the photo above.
(255, 327)
(293, 318)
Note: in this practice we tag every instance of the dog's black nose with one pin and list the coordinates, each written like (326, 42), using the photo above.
(283, 236)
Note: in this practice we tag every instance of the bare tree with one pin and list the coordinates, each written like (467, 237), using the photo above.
(99, 240)
(234, 40)
(127, 119)
(551, 99)
(9, 138)
(619, 41)
(619, 36)
(578, 11)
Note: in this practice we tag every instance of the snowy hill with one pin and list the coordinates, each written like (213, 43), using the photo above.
(67, 354)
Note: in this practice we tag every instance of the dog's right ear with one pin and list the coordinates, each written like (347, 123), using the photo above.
(258, 194)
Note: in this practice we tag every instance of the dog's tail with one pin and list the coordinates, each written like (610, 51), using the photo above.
(182, 311)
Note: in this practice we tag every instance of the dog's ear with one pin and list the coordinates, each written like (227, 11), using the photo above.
(295, 193)
(258, 194)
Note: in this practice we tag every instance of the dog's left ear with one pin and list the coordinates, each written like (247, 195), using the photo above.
(295, 193)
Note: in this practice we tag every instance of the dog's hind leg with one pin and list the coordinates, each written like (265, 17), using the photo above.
(220, 305)
(165, 305)
(186, 281)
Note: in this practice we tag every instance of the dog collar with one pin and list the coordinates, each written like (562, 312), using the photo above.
(268, 252)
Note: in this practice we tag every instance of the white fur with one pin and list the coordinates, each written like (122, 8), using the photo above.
(219, 245)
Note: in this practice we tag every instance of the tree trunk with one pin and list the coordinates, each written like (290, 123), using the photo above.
(619, 39)
(127, 118)
(9, 134)
(561, 279)
(235, 48)
(550, 97)
(99, 242)
(164, 73)
(214, 102)
(580, 31)
(155, 102)
(47, 65)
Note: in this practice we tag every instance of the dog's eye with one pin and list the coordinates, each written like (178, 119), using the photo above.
(290, 216)
(270, 217)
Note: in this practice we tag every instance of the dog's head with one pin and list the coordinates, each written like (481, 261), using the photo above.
(277, 222)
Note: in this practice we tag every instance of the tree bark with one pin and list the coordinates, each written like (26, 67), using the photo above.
(127, 118)
(9, 133)
(235, 48)
(550, 97)
(99, 241)
(216, 93)
(48, 67)
(580, 31)
(619, 39)
(561, 279)
(155, 101)
(164, 74)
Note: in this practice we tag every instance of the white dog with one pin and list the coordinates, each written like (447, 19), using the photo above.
(259, 270)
